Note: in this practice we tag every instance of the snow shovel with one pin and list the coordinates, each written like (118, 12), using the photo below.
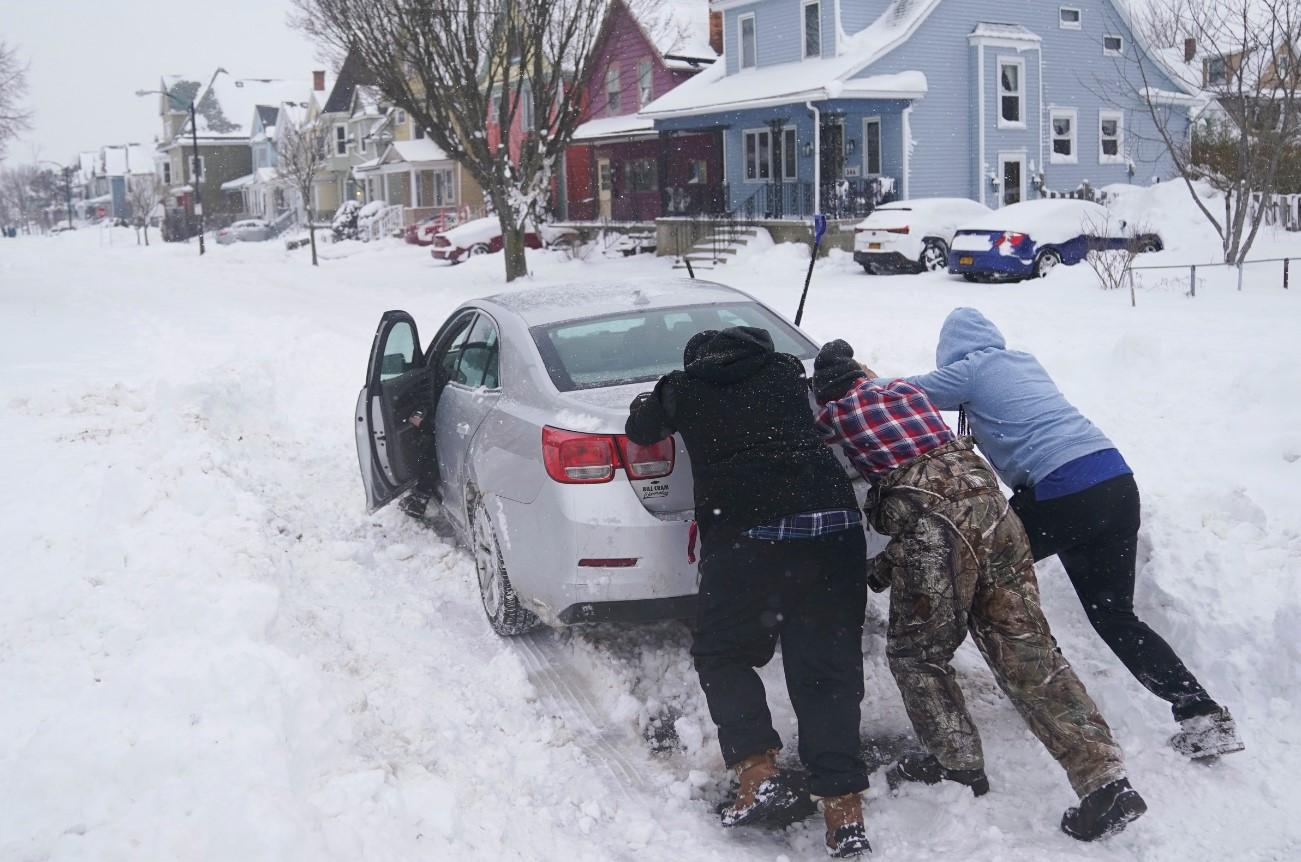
(819, 228)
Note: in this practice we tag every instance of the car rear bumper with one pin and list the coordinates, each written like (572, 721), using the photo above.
(988, 263)
(447, 253)
(634, 611)
(884, 259)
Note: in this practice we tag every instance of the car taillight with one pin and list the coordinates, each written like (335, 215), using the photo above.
(575, 458)
(647, 462)
(578, 459)
(1010, 238)
(902, 230)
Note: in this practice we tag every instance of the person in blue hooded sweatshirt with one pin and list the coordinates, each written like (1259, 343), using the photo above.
(1077, 498)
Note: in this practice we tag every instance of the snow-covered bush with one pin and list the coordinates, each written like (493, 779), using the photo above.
(344, 225)
(365, 216)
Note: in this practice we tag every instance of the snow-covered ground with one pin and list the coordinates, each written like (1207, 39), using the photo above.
(209, 651)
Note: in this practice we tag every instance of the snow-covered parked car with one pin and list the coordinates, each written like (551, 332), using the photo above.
(245, 230)
(423, 232)
(912, 236)
(475, 237)
(525, 396)
(1027, 240)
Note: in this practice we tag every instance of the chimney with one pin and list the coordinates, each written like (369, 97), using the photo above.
(318, 80)
(1190, 50)
(716, 32)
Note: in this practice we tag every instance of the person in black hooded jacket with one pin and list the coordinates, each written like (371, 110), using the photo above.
(783, 557)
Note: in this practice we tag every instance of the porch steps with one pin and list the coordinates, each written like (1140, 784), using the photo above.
(717, 249)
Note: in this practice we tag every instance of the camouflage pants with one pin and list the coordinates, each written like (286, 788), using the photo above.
(965, 566)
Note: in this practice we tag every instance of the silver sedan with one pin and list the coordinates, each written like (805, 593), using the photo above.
(526, 395)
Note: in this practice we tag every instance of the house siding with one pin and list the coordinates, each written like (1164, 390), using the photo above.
(624, 47)
(777, 33)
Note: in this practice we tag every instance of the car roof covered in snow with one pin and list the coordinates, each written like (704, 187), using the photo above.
(542, 305)
(1050, 220)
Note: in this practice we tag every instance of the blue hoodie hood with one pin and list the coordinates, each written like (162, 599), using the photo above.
(964, 332)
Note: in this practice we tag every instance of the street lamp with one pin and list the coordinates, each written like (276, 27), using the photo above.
(196, 170)
(67, 184)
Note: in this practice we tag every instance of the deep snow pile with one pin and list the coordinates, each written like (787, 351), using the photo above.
(209, 651)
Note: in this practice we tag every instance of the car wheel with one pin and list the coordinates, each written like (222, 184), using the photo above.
(1149, 245)
(1046, 262)
(971, 277)
(935, 256)
(500, 602)
(478, 249)
(870, 268)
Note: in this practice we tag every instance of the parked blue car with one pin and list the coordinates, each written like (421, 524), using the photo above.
(1028, 240)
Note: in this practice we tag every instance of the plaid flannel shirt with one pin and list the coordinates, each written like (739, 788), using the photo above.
(882, 427)
(808, 525)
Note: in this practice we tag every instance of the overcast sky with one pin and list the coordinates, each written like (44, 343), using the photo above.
(88, 57)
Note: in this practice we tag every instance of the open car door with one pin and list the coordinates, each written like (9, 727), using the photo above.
(397, 384)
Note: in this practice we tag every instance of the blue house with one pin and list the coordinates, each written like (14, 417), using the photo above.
(835, 105)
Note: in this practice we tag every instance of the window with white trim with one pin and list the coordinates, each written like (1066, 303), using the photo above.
(746, 37)
(1069, 17)
(758, 155)
(645, 83)
(872, 146)
(612, 90)
(527, 119)
(811, 21)
(1111, 137)
(1113, 46)
(1064, 123)
(1011, 92)
(341, 140)
(784, 155)
(167, 172)
(401, 118)
(1217, 71)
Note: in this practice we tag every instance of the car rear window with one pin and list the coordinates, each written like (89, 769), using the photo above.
(637, 347)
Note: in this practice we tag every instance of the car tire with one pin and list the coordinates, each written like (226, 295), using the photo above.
(971, 277)
(1149, 245)
(1045, 262)
(870, 268)
(500, 602)
(477, 249)
(935, 256)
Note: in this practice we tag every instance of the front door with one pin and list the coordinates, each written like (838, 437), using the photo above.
(604, 187)
(397, 384)
(1012, 170)
(468, 369)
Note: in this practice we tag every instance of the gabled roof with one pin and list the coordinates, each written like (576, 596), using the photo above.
(139, 159)
(351, 75)
(679, 30)
(113, 159)
(225, 110)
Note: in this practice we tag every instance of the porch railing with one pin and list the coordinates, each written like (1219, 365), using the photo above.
(841, 199)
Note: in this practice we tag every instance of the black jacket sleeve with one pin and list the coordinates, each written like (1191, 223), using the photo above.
(651, 414)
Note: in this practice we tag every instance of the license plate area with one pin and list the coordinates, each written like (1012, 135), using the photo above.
(966, 260)
(874, 246)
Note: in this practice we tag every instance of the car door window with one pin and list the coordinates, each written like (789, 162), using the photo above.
(450, 349)
(399, 353)
(479, 355)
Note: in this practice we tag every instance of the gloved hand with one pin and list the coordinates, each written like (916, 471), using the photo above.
(835, 371)
(882, 568)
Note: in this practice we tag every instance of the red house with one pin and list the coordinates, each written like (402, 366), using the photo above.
(618, 167)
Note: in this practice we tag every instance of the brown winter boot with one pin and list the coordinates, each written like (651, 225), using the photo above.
(846, 835)
(762, 793)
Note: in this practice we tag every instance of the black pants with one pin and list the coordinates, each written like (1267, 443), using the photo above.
(809, 594)
(1094, 533)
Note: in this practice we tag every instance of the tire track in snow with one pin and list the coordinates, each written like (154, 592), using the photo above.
(553, 673)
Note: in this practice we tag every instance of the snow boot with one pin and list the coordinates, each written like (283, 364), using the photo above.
(1204, 737)
(928, 770)
(1105, 811)
(846, 835)
(764, 792)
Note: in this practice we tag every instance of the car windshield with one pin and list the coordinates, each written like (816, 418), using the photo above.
(637, 347)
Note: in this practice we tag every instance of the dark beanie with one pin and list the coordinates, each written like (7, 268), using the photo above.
(835, 371)
(696, 345)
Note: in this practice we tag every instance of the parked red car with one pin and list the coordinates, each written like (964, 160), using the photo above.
(422, 232)
(481, 236)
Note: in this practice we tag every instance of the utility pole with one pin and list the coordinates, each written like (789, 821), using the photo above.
(197, 173)
(67, 190)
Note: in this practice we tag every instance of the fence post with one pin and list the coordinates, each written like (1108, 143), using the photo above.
(1286, 261)
(1192, 281)
(1239, 276)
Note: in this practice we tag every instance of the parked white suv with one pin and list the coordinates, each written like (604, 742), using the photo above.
(912, 236)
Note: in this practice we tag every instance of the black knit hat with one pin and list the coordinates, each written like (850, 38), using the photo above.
(835, 371)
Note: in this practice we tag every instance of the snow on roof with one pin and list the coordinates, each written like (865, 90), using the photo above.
(1014, 32)
(679, 29)
(713, 90)
(139, 159)
(419, 150)
(225, 110)
(86, 161)
(238, 183)
(614, 127)
(115, 161)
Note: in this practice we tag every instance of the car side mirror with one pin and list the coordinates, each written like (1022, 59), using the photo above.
(393, 364)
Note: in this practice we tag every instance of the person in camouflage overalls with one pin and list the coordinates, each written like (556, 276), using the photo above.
(959, 561)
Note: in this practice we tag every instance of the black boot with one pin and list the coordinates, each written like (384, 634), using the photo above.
(928, 770)
(1207, 736)
(1105, 811)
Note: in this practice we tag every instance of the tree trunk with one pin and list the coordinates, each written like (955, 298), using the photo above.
(146, 233)
(512, 237)
(311, 233)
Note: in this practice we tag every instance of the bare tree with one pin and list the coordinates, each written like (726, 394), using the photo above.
(458, 66)
(301, 153)
(1246, 69)
(144, 193)
(17, 185)
(14, 119)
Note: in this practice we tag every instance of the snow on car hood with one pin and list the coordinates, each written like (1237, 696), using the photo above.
(478, 230)
(1050, 221)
